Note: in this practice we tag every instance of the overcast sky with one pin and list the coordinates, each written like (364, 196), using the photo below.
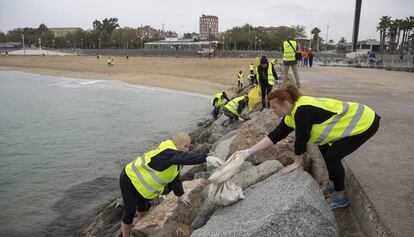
(183, 15)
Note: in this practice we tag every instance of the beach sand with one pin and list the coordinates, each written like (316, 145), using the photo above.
(197, 75)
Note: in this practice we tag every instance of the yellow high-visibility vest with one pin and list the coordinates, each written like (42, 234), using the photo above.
(350, 119)
(233, 104)
(220, 100)
(251, 67)
(240, 76)
(270, 78)
(148, 182)
(288, 51)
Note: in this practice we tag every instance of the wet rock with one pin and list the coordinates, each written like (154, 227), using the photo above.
(172, 218)
(290, 205)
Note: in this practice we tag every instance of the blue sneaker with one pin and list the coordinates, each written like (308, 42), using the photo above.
(328, 190)
(339, 202)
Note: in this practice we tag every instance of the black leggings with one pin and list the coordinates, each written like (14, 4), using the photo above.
(333, 154)
(265, 89)
(132, 199)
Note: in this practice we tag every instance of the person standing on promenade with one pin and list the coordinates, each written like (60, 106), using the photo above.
(290, 48)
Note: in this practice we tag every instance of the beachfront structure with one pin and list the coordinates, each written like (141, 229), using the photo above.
(208, 27)
(180, 44)
(62, 31)
(370, 44)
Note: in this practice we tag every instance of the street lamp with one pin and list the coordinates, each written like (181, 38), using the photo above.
(82, 42)
(53, 40)
(24, 49)
(99, 42)
(255, 39)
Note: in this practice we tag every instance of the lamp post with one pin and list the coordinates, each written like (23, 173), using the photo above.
(255, 45)
(24, 49)
(82, 42)
(53, 40)
(99, 42)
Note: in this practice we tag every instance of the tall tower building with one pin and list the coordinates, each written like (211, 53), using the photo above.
(208, 27)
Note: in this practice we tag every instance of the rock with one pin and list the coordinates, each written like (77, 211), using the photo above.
(188, 171)
(256, 174)
(267, 119)
(245, 166)
(219, 131)
(172, 218)
(244, 180)
(106, 222)
(201, 136)
(202, 175)
(200, 148)
(222, 149)
(318, 168)
(290, 205)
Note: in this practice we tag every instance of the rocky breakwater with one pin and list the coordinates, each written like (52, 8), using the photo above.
(291, 205)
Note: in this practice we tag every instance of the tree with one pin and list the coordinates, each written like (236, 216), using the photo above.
(392, 35)
(382, 26)
(316, 39)
(341, 46)
(109, 25)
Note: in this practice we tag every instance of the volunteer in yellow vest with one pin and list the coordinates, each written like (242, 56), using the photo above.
(267, 78)
(155, 173)
(290, 47)
(217, 101)
(338, 127)
(235, 108)
(240, 79)
(251, 68)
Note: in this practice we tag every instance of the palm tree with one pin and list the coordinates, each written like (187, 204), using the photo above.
(392, 35)
(315, 31)
(383, 25)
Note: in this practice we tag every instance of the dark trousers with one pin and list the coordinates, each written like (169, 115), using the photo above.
(133, 200)
(310, 61)
(239, 84)
(233, 117)
(215, 112)
(333, 154)
(266, 89)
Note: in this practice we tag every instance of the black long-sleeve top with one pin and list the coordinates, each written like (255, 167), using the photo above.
(305, 117)
(169, 157)
(242, 105)
(262, 71)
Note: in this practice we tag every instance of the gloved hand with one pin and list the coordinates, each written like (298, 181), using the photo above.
(184, 199)
(214, 161)
(244, 153)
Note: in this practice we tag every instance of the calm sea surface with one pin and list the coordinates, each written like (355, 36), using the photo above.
(63, 143)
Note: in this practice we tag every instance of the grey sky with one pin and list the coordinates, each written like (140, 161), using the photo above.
(183, 15)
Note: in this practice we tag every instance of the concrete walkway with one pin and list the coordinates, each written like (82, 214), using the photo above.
(384, 166)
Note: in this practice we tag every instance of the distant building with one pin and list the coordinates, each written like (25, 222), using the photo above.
(62, 31)
(370, 44)
(208, 27)
(151, 33)
(180, 44)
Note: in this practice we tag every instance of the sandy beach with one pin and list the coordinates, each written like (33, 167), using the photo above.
(197, 75)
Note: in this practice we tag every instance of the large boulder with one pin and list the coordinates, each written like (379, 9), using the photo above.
(290, 205)
(244, 179)
(251, 133)
(172, 218)
(267, 119)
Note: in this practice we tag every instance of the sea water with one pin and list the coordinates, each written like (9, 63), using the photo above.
(64, 142)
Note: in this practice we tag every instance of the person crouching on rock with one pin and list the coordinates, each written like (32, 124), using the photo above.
(235, 107)
(338, 127)
(149, 175)
(217, 101)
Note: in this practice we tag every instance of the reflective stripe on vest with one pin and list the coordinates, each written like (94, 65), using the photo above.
(288, 51)
(240, 75)
(350, 119)
(270, 77)
(219, 101)
(233, 104)
(148, 182)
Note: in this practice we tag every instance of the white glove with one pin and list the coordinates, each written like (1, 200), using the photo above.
(244, 153)
(214, 161)
(184, 199)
